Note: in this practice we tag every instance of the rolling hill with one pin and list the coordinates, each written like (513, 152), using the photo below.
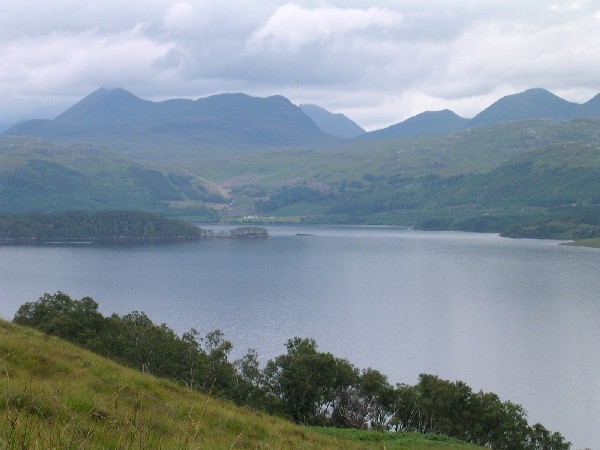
(39, 176)
(495, 179)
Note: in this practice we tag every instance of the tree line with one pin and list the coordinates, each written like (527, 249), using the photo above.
(304, 384)
(107, 225)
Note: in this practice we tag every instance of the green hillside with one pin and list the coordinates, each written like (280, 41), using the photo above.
(305, 385)
(536, 178)
(468, 151)
(527, 179)
(42, 176)
(56, 395)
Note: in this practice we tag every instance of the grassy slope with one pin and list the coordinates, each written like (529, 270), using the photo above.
(469, 151)
(594, 243)
(106, 178)
(37, 175)
(55, 395)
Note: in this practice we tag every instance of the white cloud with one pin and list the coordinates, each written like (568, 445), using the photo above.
(378, 64)
(56, 61)
(180, 17)
(293, 26)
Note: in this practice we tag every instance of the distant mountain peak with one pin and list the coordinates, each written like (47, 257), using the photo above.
(235, 121)
(535, 103)
(423, 124)
(335, 124)
(110, 94)
(106, 103)
(536, 90)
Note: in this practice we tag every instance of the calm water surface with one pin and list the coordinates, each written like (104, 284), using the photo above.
(516, 317)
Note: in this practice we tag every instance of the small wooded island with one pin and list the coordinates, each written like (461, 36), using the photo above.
(81, 226)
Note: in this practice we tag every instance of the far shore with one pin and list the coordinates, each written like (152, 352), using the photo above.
(593, 242)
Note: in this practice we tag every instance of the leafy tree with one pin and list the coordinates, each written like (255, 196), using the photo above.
(542, 439)
(220, 374)
(59, 315)
(308, 381)
(367, 403)
(250, 385)
(194, 361)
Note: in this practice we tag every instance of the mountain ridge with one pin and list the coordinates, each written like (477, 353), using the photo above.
(336, 124)
(221, 122)
(535, 103)
(240, 123)
(428, 123)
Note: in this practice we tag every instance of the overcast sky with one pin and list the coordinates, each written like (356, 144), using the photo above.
(377, 62)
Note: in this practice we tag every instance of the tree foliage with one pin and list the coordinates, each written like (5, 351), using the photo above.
(303, 384)
(91, 226)
(105, 224)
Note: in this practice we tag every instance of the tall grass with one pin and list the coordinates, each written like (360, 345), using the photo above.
(58, 396)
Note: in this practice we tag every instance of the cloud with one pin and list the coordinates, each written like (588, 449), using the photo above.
(180, 17)
(59, 68)
(378, 64)
(292, 27)
(491, 55)
(56, 61)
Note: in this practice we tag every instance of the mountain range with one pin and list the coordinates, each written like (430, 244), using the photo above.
(172, 128)
(227, 123)
(531, 104)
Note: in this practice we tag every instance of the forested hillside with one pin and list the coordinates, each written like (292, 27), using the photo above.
(304, 384)
(42, 176)
(556, 185)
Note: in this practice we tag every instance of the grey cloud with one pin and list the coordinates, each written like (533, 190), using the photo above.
(378, 64)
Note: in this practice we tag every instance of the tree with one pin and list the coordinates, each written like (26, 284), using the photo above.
(60, 315)
(195, 361)
(542, 439)
(250, 388)
(308, 381)
(365, 403)
(220, 376)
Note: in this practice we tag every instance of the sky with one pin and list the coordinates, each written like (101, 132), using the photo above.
(377, 62)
